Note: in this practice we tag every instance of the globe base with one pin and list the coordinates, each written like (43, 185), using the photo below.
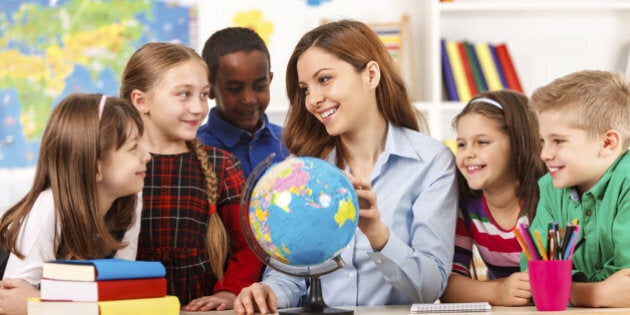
(316, 304)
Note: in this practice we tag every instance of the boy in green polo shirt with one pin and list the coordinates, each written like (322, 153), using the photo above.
(584, 122)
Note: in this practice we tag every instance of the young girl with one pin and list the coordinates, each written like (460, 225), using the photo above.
(498, 158)
(192, 192)
(350, 106)
(83, 203)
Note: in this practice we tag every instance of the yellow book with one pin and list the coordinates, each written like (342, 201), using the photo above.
(461, 83)
(167, 305)
(488, 67)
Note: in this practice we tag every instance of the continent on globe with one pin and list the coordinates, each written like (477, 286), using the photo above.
(303, 211)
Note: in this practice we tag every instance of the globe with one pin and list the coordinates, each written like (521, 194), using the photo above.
(301, 213)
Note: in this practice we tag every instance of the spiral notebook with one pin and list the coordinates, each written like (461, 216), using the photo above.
(419, 308)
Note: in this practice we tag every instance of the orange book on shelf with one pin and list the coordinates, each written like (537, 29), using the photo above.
(487, 66)
(461, 83)
(470, 78)
(507, 65)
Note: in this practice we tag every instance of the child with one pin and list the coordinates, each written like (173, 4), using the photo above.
(240, 75)
(584, 122)
(351, 107)
(192, 192)
(89, 172)
(498, 158)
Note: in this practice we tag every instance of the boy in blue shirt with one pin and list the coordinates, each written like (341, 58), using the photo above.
(584, 122)
(240, 75)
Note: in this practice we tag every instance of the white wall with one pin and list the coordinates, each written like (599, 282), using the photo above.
(291, 19)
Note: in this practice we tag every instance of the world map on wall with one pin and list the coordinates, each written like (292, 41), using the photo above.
(51, 48)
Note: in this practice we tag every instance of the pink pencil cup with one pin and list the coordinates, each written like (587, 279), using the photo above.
(550, 281)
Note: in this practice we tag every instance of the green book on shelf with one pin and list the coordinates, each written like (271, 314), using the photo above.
(475, 67)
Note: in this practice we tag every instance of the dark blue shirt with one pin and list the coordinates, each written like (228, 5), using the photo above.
(249, 149)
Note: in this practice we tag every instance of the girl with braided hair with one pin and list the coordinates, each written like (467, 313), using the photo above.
(190, 217)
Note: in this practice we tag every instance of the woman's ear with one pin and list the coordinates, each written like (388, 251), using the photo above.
(99, 173)
(138, 98)
(373, 72)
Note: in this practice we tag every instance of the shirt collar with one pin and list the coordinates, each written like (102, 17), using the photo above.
(396, 145)
(229, 134)
(600, 187)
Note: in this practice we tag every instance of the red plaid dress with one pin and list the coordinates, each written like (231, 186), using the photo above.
(174, 222)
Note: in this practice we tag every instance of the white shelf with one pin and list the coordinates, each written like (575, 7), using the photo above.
(536, 6)
(546, 39)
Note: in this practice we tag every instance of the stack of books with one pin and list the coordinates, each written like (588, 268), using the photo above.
(103, 287)
(472, 68)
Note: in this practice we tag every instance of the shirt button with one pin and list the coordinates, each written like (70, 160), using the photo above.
(350, 274)
(379, 261)
(588, 213)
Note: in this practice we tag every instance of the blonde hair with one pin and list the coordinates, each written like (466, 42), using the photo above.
(72, 143)
(145, 67)
(592, 100)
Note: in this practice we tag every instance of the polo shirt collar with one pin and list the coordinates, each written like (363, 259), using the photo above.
(229, 134)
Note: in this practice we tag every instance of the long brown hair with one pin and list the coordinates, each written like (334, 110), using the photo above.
(521, 126)
(145, 67)
(72, 143)
(357, 44)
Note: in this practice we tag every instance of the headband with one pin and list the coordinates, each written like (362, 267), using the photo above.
(488, 101)
(101, 105)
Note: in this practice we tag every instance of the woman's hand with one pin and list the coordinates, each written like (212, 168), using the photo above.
(257, 296)
(369, 215)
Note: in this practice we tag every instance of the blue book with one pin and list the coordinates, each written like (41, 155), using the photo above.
(497, 64)
(102, 269)
(447, 74)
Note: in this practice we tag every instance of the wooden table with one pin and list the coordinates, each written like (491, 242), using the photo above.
(496, 310)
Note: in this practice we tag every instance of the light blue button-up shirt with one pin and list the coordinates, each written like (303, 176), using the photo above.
(414, 179)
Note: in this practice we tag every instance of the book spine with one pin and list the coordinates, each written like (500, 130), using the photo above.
(447, 74)
(470, 79)
(458, 71)
(124, 269)
(487, 66)
(497, 65)
(110, 290)
(480, 81)
(168, 305)
(507, 65)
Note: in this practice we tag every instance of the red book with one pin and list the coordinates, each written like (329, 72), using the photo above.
(513, 83)
(470, 78)
(104, 290)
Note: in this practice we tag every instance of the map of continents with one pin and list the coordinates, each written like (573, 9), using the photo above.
(49, 49)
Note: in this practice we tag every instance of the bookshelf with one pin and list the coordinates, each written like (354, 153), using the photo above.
(546, 39)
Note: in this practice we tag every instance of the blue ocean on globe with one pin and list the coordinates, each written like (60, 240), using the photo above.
(303, 211)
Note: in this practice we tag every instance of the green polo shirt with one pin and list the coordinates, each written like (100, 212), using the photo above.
(604, 217)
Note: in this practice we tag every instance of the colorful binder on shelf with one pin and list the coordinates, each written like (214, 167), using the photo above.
(470, 78)
(480, 81)
(497, 65)
(447, 74)
(487, 66)
(511, 76)
(463, 91)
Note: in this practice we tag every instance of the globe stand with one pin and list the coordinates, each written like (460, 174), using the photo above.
(315, 303)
